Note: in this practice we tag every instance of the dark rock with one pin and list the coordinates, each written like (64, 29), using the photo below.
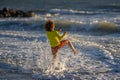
(19, 13)
(5, 9)
(30, 14)
(7, 12)
(12, 12)
(1, 16)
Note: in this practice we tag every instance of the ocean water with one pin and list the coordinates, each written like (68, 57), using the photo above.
(93, 27)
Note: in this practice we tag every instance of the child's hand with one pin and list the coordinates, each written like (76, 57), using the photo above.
(65, 33)
(59, 30)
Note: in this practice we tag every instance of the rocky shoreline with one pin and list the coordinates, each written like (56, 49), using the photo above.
(8, 12)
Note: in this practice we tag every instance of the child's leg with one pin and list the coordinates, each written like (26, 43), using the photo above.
(72, 47)
(54, 53)
(64, 42)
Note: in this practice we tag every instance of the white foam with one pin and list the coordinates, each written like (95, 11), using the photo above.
(29, 55)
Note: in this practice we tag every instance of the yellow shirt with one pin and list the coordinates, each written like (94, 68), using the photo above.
(54, 38)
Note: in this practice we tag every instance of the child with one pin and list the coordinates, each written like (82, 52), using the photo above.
(56, 41)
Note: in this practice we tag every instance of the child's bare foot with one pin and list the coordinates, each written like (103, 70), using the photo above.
(75, 52)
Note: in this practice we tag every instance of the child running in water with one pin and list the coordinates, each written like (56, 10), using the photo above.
(56, 40)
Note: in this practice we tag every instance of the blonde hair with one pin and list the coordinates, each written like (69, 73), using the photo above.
(49, 25)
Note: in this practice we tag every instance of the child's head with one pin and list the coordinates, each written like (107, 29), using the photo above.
(49, 25)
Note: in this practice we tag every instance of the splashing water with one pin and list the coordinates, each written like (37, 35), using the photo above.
(28, 52)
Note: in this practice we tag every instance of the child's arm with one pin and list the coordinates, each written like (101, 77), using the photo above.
(61, 37)
(64, 34)
(59, 30)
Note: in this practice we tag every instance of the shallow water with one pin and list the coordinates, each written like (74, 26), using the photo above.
(27, 52)
(93, 27)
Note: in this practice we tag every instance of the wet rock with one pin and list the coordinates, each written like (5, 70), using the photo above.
(30, 14)
(7, 12)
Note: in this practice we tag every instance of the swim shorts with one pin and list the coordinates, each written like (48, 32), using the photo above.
(62, 43)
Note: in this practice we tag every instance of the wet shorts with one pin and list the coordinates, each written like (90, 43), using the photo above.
(62, 43)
